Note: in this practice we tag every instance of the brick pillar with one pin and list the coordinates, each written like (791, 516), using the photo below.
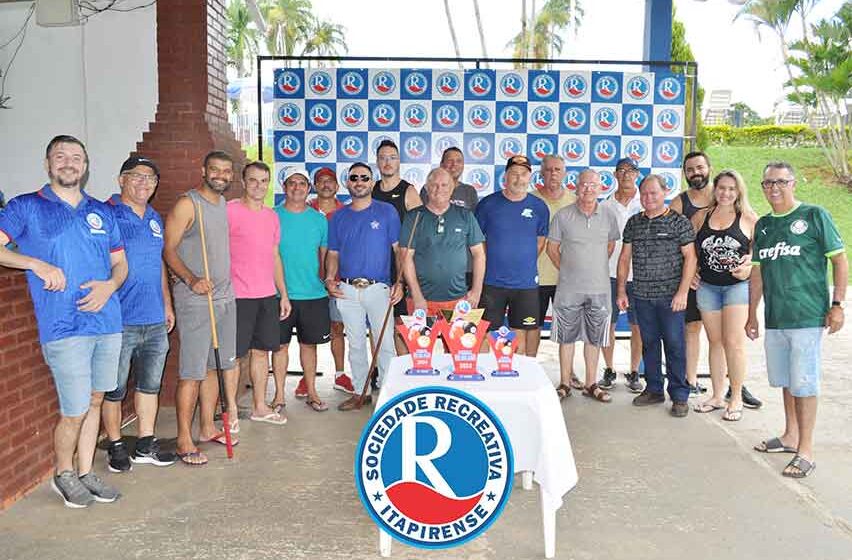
(191, 117)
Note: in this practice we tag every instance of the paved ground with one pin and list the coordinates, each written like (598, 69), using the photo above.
(650, 487)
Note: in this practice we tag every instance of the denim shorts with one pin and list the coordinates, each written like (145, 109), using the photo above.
(144, 348)
(82, 365)
(793, 359)
(713, 298)
(631, 318)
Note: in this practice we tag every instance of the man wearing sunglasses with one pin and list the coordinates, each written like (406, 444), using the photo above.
(362, 238)
(791, 249)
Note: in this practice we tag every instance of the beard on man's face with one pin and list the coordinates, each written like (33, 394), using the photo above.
(217, 185)
(698, 181)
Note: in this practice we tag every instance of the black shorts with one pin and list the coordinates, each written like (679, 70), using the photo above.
(311, 320)
(257, 324)
(523, 307)
(546, 294)
(692, 312)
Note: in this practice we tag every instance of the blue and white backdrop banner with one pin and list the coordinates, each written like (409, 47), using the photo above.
(333, 117)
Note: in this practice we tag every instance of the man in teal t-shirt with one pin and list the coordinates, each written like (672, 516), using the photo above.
(304, 238)
(790, 251)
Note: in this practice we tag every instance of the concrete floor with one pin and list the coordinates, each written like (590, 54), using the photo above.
(650, 487)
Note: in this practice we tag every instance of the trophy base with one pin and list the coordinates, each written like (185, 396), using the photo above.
(498, 373)
(413, 371)
(465, 377)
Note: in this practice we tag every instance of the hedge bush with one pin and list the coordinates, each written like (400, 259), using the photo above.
(770, 135)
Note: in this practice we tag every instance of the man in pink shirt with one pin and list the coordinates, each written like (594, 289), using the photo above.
(257, 276)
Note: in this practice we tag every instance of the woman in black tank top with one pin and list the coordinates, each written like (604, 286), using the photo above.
(723, 244)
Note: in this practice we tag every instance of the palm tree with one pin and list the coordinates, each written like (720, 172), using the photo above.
(479, 28)
(541, 39)
(326, 39)
(452, 30)
(242, 40)
(289, 22)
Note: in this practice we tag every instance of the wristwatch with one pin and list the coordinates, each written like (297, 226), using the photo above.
(840, 304)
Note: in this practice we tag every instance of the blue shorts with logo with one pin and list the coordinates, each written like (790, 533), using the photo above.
(82, 365)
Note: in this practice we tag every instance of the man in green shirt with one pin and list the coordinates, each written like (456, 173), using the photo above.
(790, 251)
(435, 264)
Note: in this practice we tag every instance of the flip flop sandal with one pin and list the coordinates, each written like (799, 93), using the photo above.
(774, 445)
(732, 415)
(279, 408)
(317, 406)
(595, 392)
(802, 467)
(271, 418)
(576, 383)
(563, 391)
(193, 458)
(703, 408)
(220, 439)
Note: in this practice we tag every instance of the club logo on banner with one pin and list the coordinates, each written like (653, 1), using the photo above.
(434, 467)
(591, 119)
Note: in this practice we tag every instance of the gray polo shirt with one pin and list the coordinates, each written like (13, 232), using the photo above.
(583, 255)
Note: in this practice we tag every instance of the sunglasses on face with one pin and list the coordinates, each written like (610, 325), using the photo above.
(363, 178)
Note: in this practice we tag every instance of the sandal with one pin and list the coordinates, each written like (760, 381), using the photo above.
(219, 438)
(774, 445)
(316, 405)
(576, 383)
(732, 415)
(595, 392)
(705, 407)
(193, 458)
(798, 467)
(278, 408)
(563, 391)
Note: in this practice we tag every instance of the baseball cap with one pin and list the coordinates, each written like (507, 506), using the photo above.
(133, 161)
(296, 170)
(523, 161)
(626, 162)
(324, 172)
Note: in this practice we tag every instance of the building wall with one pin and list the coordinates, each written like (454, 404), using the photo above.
(96, 81)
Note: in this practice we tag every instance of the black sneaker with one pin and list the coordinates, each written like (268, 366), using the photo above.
(99, 489)
(608, 379)
(649, 398)
(148, 452)
(633, 383)
(71, 490)
(749, 400)
(118, 460)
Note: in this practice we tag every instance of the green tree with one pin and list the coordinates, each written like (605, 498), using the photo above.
(289, 23)
(682, 52)
(326, 39)
(243, 38)
(542, 38)
(747, 115)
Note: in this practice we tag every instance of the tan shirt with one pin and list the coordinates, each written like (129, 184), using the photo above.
(547, 273)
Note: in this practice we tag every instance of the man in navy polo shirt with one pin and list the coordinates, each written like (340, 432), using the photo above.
(146, 311)
(515, 226)
(359, 238)
(71, 248)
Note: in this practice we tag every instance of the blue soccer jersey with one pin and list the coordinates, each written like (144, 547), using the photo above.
(363, 239)
(511, 233)
(77, 240)
(141, 295)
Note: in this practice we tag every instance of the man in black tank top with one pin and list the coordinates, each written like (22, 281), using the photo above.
(403, 196)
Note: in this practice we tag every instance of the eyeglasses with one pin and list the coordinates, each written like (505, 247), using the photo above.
(363, 178)
(588, 185)
(780, 183)
(388, 158)
(440, 228)
(626, 170)
(139, 177)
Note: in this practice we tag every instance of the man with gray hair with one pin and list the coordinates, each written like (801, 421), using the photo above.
(581, 239)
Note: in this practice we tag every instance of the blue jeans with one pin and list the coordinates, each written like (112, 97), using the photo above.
(145, 348)
(356, 307)
(659, 325)
(82, 365)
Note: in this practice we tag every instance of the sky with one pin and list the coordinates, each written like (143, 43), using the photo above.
(730, 54)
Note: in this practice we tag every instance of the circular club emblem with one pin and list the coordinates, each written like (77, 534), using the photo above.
(570, 180)
(479, 116)
(384, 83)
(606, 87)
(352, 146)
(636, 150)
(606, 119)
(541, 147)
(637, 120)
(434, 467)
(542, 117)
(511, 84)
(607, 183)
(374, 145)
(415, 115)
(670, 181)
(479, 179)
(415, 147)
(320, 146)
(543, 85)
(511, 117)
(574, 118)
(667, 152)
(604, 149)
(447, 115)
(445, 142)
(289, 146)
(537, 180)
(480, 84)
(669, 88)
(415, 83)
(414, 176)
(289, 114)
(447, 83)
(155, 227)
(511, 147)
(352, 83)
(798, 227)
(638, 88)
(575, 86)
(94, 221)
(479, 148)
(288, 82)
(320, 82)
(573, 150)
(383, 115)
(668, 120)
(320, 114)
(352, 114)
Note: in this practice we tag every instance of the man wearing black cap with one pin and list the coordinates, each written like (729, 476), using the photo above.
(515, 225)
(147, 316)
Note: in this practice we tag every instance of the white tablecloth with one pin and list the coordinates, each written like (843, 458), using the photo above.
(527, 406)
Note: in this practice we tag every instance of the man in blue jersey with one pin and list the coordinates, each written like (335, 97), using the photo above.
(71, 248)
(515, 226)
(360, 239)
(147, 315)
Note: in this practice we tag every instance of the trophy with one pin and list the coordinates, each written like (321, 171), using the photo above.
(503, 343)
(420, 339)
(463, 335)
